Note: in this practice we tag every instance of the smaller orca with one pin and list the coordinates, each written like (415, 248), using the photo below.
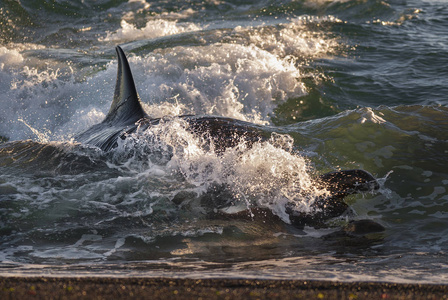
(126, 116)
(340, 184)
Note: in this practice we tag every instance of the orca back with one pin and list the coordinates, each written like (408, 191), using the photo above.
(126, 110)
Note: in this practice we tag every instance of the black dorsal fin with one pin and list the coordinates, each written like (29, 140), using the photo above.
(126, 108)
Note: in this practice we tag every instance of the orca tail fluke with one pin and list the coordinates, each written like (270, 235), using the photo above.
(126, 108)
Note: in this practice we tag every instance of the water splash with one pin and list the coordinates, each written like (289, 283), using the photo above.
(266, 174)
(153, 29)
(42, 136)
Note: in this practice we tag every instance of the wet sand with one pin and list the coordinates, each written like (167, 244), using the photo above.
(169, 288)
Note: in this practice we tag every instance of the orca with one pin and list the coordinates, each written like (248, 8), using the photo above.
(126, 115)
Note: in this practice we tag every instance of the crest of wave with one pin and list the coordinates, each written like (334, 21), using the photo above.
(231, 80)
(266, 174)
(34, 93)
(9, 57)
(294, 39)
(153, 29)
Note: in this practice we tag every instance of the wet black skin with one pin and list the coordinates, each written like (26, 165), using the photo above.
(126, 116)
(340, 184)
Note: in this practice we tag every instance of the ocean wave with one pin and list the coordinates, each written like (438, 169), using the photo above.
(153, 29)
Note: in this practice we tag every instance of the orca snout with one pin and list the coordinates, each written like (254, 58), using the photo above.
(348, 182)
(364, 181)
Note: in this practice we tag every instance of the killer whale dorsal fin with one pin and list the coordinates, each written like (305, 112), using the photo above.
(126, 107)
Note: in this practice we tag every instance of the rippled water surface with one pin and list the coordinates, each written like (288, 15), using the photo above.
(337, 84)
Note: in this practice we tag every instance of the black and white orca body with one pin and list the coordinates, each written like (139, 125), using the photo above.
(126, 116)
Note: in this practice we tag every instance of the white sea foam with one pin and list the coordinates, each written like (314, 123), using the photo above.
(153, 29)
(266, 174)
(294, 39)
(9, 57)
(243, 82)
(50, 102)
(368, 115)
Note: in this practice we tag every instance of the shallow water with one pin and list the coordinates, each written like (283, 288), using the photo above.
(338, 85)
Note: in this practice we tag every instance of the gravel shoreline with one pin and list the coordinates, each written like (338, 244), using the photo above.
(173, 288)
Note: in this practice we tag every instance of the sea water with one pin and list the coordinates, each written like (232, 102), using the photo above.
(337, 84)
